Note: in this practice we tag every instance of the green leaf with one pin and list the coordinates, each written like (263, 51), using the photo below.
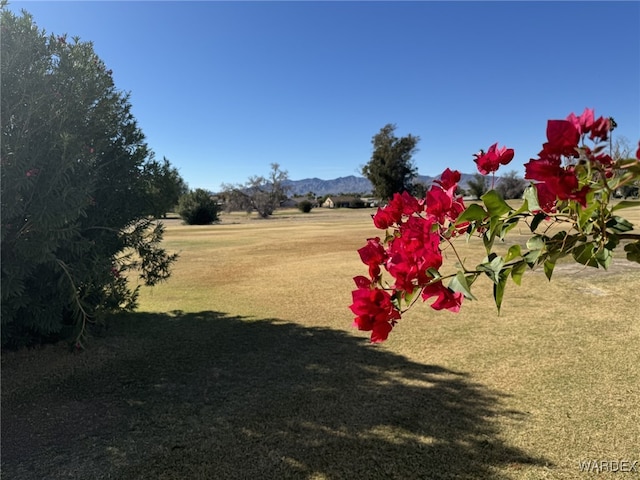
(492, 267)
(625, 204)
(586, 214)
(499, 286)
(460, 283)
(513, 252)
(408, 297)
(523, 208)
(536, 242)
(531, 257)
(508, 225)
(633, 251)
(496, 206)
(537, 218)
(530, 196)
(433, 272)
(619, 224)
(604, 257)
(517, 271)
(584, 254)
(474, 212)
(548, 266)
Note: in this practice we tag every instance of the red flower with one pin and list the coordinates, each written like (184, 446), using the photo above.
(384, 218)
(447, 298)
(400, 204)
(562, 138)
(558, 182)
(373, 255)
(362, 282)
(413, 252)
(542, 169)
(374, 312)
(600, 129)
(449, 179)
(490, 161)
(442, 204)
(546, 198)
(584, 122)
(638, 152)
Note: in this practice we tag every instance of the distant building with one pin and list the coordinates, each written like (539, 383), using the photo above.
(343, 201)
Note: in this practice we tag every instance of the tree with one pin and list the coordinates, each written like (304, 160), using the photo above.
(259, 193)
(621, 150)
(391, 169)
(75, 210)
(164, 187)
(477, 186)
(511, 186)
(198, 208)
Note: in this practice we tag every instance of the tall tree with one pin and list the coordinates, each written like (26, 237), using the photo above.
(510, 185)
(391, 169)
(75, 211)
(164, 186)
(621, 149)
(477, 186)
(259, 193)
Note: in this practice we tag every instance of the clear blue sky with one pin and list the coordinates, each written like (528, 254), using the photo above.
(223, 89)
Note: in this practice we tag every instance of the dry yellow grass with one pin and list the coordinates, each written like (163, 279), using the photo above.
(564, 353)
(259, 372)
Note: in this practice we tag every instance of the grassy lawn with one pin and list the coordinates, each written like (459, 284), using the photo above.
(245, 365)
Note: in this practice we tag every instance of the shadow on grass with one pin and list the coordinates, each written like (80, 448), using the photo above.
(209, 396)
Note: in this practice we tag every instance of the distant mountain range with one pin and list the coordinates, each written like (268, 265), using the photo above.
(350, 184)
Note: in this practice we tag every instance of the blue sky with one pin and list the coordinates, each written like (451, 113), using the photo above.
(224, 89)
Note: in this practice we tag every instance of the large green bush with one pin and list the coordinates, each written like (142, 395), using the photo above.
(198, 208)
(75, 210)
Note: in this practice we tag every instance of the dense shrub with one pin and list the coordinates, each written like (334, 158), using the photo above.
(305, 206)
(198, 208)
(74, 204)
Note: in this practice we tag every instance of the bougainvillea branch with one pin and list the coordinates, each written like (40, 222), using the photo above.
(567, 208)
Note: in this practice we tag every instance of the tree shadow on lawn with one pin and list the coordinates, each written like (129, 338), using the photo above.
(208, 396)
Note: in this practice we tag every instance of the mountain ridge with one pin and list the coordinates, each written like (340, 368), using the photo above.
(349, 184)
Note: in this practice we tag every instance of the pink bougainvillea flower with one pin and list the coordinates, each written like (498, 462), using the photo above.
(562, 138)
(447, 298)
(384, 218)
(638, 152)
(490, 161)
(439, 203)
(443, 205)
(413, 252)
(584, 122)
(400, 204)
(373, 255)
(374, 312)
(362, 281)
(587, 123)
(546, 198)
(559, 182)
(600, 129)
(542, 169)
(32, 172)
(449, 179)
